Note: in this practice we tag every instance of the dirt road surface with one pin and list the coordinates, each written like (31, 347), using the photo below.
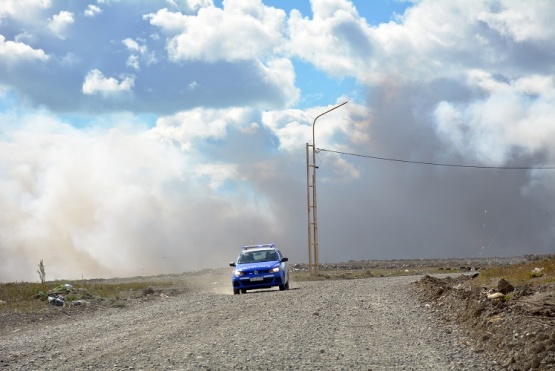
(365, 324)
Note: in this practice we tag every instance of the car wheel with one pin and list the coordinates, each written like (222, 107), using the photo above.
(236, 291)
(281, 287)
(287, 285)
(243, 291)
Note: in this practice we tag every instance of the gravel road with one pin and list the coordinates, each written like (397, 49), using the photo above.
(365, 324)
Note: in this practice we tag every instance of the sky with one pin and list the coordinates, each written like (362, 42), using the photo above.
(154, 137)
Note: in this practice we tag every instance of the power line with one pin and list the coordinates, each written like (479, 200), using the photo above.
(440, 164)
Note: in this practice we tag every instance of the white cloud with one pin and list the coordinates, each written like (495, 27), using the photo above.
(190, 6)
(133, 62)
(138, 50)
(509, 119)
(485, 81)
(187, 126)
(243, 33)
(293, 127)
(290, 127)
(96, 83)
(323, 9)
(342, 171)
(426, 42)
(59, 24)
(169, 22)
(336, 40)
(217, 174)
(12, 52)
(535, 84)
(92, 10)
(25, 37)
(24, 10)
(131, 44)
(242, 30)
(280, 72)
(522, 21)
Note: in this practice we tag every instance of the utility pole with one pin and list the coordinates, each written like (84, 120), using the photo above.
(311, 200)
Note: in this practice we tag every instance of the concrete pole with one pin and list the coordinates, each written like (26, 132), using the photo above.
(314, 199)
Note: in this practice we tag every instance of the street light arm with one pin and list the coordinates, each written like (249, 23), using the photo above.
(322, 114)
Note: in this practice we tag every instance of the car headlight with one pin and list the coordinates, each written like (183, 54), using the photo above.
(274, 270)
(238, 273)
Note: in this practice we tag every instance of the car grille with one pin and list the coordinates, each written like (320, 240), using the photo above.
(260, 271)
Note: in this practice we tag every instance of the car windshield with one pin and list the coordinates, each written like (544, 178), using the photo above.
(257, 257)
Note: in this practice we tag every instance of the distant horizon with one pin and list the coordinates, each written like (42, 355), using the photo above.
(305, 265)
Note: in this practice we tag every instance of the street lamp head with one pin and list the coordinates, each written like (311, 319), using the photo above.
(320, 115)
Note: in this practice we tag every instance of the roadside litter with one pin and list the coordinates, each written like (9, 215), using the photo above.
(65, 294)
(56, 300)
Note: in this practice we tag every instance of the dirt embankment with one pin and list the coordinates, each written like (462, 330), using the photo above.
(514, 325)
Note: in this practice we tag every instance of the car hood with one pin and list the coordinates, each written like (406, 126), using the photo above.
(261, 266)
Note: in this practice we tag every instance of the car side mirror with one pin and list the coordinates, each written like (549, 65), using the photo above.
(232, 264)
(284, 259)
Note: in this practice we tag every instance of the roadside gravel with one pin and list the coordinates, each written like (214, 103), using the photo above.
(366, 324)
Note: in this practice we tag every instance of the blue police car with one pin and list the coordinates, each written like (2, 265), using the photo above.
(259, 267)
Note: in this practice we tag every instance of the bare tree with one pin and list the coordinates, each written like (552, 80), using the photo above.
(41, 272)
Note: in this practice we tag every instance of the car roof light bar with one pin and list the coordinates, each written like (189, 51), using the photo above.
(259, 246)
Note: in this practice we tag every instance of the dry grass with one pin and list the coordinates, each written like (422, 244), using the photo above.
(20, 296)
(28, 296)
(536, 273)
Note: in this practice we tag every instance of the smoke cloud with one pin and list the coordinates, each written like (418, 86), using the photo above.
(156, 158)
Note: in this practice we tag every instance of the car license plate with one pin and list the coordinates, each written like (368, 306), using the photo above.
(257, 279)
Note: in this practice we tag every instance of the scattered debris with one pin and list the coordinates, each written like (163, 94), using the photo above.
(61, 290)
(56, 300)
(504, 287)
(148, 291)
(537, 272)
(80, 302)
(64, 295)
(496, 295)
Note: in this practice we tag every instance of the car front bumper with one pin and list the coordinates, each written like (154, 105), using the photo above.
(257, 282)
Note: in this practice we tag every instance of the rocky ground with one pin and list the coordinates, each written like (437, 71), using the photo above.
(519, 333)
(460, 326)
